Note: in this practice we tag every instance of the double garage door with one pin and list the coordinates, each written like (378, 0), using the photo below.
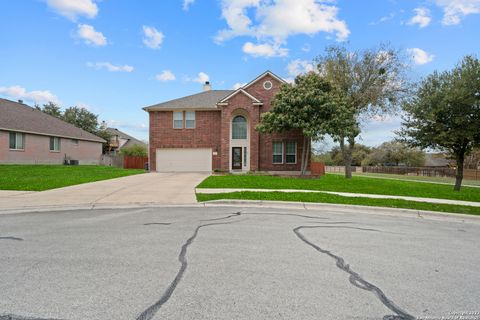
(184, 160)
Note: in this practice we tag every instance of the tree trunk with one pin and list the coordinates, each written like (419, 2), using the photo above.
(347, 156)
(302, 165)
(459, 174)
(307, 155)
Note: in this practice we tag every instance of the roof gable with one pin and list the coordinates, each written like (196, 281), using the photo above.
(269, 73)
(240, 90)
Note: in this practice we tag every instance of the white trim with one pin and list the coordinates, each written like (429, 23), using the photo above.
(224, 100)
(49, 135)
(261, 76)
(269, 83)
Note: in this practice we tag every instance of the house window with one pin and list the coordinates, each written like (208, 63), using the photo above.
(178, 120)
(239, 128)
(17, 141)
(277, 151)
(54, 144)
(244, 156)
(291, 152)
(190, 119)
(75, 142)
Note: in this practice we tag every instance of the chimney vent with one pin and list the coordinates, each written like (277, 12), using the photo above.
(20, 101)
(207, 86)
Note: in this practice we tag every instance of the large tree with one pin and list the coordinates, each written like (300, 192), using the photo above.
(305, 105)
(444, 113)
(51, 108)
(372, 81)
(79, 117)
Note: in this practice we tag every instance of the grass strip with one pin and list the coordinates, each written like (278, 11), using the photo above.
(333, 182)
(328, 198)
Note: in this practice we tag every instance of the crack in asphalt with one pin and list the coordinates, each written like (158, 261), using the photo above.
(16, 317)
(354, 278)
(153, 309)
(10, 238)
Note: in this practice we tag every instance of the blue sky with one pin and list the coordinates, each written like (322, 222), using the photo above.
(116, 56)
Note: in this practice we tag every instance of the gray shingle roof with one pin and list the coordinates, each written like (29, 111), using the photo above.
(202, 100)
(16, 116)
(131, 140)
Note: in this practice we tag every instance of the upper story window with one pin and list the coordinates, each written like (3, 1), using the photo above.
(17, 141)
(239, 128)
(178, 120)
(54, 144)
(190, 119)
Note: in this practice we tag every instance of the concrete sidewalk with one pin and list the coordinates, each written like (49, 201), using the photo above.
(153, 188)
(345, 194)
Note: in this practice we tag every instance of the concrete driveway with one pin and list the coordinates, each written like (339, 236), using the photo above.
(237, 263)
(148, 188)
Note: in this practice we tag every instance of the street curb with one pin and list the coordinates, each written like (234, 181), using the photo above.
(344, 208)
(58, 208)
(334, 208)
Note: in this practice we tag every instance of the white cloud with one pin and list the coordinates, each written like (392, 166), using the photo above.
(110, 67)
(238, 85)
(306, 48)
(165, 75)
(90, 36)
(187, 4)
(74, 8)
(153, 38)
(422, 17)
(420, 56)
(37, 96)
(202, 77)
(455, 10)
(298, 66)
(275, 21)
(383, 19)
(264, 50)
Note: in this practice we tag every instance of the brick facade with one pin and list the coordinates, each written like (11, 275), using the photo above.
(37, 150)
(205, 135)
(213, 130)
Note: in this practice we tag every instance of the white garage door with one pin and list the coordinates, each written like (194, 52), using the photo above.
(177, 160)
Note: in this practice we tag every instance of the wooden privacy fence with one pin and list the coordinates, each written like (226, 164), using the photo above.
(317, 168)
(134, 162)
(470, 174)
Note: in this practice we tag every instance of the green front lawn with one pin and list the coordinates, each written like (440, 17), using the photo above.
(329, 198)
(44, 177)
(333, 182)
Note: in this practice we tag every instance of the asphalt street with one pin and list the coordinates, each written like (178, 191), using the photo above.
(237, 263)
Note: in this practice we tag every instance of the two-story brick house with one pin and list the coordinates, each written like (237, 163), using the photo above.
(215, 130)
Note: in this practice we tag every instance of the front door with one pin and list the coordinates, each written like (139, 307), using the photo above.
(237, 158)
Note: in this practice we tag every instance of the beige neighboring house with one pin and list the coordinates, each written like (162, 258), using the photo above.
(120, 140)
(30, 136)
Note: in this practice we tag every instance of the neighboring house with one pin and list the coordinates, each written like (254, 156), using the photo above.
(120, 140)
(215, 130)
(30, 136)
(437, 160)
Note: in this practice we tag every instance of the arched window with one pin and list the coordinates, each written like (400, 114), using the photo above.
(239, 128)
